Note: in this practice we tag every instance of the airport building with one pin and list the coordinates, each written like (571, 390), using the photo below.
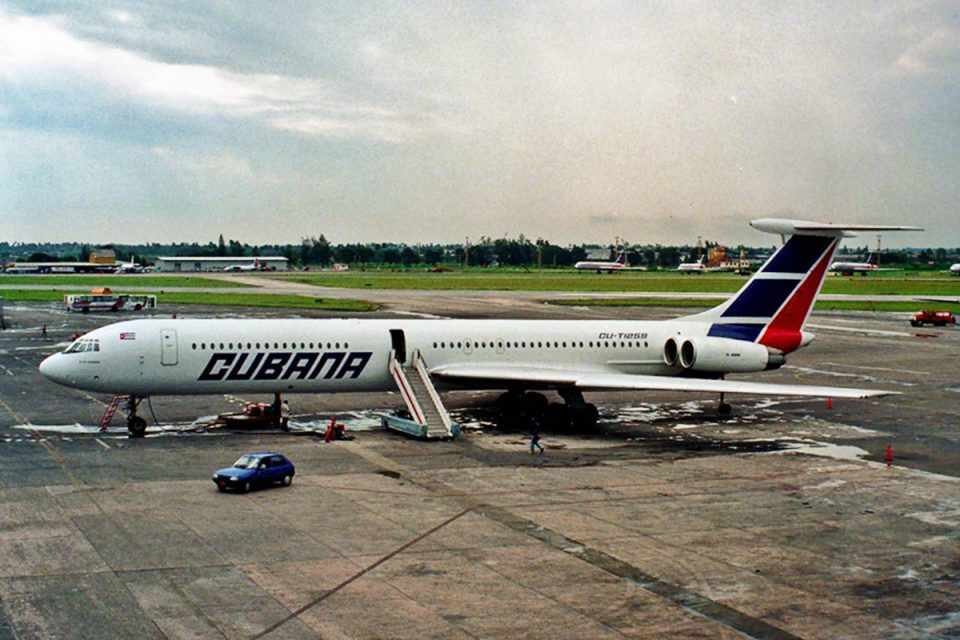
(218, 263)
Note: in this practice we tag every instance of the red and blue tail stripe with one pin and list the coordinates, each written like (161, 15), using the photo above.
(774, 305)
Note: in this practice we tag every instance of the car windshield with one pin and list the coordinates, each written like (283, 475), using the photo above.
(246, 462)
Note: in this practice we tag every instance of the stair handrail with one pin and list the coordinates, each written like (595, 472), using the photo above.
(421, 367)
(396, 370)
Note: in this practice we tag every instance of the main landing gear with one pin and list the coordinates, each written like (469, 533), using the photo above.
(525, 410)
(724, 409)
(136, 426)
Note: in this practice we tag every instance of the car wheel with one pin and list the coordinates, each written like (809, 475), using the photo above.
(221, 488)
(246, 487)
(287, 480)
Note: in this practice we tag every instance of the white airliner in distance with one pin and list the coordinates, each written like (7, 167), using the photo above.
(955, 269)
(700, 266)
(850, 268)
(751, 332)
(620, 264)
(252, 266)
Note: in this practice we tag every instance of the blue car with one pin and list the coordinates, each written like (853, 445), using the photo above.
(255, 469)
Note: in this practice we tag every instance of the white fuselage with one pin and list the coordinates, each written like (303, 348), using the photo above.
(186, 356)
(853, 267)
(586, 265)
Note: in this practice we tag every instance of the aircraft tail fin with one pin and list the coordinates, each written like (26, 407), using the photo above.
(772, 307)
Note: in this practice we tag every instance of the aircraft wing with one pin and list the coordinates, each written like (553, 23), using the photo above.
(597, 381)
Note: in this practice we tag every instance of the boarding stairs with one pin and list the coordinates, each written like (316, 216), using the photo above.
(115, 403)
(428, 417)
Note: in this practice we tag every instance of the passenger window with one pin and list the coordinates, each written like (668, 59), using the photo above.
(194, 346)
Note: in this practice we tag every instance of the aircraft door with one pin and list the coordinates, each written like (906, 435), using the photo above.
(499, 346)
(168, 347)
(399, 344)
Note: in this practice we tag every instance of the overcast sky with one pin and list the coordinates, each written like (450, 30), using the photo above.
(428, 121)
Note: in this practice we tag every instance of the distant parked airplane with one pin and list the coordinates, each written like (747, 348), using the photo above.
(850, 268)
(600, 266)
(696, 267)
(955, 269)
(254, 266)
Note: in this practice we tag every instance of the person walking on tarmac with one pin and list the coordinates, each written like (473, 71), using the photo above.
(535, 443)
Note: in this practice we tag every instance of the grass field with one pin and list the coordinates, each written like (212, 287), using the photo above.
(821, 305)
(639, 282)
(217, 299)
(113, 281)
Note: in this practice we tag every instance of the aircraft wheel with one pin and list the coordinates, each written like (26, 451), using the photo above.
(136, 426)
(557, 415)
(585, 417)
(534, 403)
(724, 409)
(511, 401)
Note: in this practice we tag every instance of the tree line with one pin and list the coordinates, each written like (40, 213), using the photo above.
(514, 252)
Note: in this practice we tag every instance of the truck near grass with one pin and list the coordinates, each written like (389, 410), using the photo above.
(936, 318)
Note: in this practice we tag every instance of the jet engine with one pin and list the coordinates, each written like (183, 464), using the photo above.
(670, 352)
(723, 355)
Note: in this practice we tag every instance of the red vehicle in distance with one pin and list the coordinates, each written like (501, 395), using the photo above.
(936, 318)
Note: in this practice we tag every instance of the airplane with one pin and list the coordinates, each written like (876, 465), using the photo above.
(128, 267)
(694, 267)
(753, 331)
(620, 264)
(850, 268)
(254, 266)
(955, 269)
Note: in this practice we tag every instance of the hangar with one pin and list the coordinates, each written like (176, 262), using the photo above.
(220, 263)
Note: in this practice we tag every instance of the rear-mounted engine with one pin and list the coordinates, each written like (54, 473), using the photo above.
(720, 355)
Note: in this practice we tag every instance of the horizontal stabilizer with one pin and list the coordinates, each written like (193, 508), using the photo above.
(785, 226)
(598, 381)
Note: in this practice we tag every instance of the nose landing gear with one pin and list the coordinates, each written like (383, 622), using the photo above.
(136, 426)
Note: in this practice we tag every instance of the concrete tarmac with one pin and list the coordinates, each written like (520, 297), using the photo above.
(666, 521)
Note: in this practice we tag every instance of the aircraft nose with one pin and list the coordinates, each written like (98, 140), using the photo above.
(52, 368)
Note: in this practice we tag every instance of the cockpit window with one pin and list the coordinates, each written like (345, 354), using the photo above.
(83, 346)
